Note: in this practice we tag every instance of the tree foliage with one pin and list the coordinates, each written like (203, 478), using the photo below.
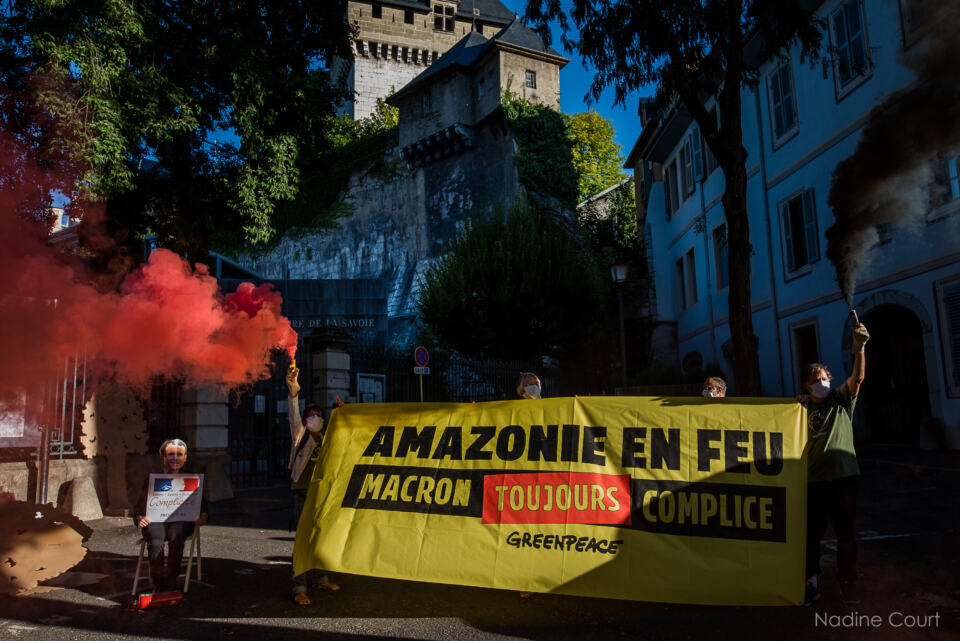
(515, 286)
(544, 159)
(596, 157)
(693, 51)
(132, 98)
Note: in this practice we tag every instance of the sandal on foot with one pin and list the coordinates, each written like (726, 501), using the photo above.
(301, 598)
(328, 585)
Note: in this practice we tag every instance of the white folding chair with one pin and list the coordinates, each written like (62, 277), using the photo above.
(193, 554)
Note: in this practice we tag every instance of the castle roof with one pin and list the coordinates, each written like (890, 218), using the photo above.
(516, 37)
(488, 10)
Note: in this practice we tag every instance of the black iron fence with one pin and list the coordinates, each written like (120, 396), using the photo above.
(452, 378)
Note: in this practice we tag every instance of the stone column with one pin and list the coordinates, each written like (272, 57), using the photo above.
(330, 364)
(203, 419)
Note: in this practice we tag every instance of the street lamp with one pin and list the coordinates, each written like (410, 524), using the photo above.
(619, 274)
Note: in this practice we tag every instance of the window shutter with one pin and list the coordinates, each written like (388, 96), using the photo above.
(810, 227)
(697, 144)
(787, 236)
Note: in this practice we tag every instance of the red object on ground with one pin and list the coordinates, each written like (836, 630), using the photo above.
(145, 601)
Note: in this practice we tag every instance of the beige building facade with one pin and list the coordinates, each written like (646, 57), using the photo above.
(397, 40)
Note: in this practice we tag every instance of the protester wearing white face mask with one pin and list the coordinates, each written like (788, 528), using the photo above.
(529, 386)
(832, 467)
(714, 387)
(305, 439)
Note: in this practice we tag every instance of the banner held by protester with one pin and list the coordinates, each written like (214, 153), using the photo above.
(686, 500)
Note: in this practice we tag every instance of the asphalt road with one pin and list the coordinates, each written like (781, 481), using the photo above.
(909, 524)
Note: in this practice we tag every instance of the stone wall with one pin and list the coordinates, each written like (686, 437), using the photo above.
(399, 228)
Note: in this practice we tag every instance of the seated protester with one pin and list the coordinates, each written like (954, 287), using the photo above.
(305, 437)
(714, 387)
(173, 454)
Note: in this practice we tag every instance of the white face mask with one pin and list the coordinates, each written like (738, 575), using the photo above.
(820, 389)
(313, 424)
(709, 393)
(531, 391)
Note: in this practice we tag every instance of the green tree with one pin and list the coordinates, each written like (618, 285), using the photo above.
(596, 157)
(132, 98)
(693, 50)
(513, 285)
(544, 159)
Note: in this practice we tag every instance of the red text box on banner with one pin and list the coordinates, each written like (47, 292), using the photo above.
(557, 497)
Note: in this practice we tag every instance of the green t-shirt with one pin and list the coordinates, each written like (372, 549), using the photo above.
(303, 482)
(830, 437)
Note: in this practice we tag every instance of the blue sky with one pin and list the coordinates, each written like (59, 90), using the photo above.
(575, 83)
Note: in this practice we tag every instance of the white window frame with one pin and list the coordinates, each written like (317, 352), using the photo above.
(839, 11)
(530, 79)
(811, 231)
(949, 345)
(795, 349)
(447, 14)
(785, 102)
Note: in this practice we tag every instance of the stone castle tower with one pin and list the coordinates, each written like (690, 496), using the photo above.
(399, 39)
(458, 157)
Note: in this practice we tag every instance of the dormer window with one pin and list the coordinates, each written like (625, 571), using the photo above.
(443, 17)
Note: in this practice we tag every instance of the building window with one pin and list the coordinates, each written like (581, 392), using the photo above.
(850, 44)
(686, 281)
(480, 88)
(670, 189)
(408, 17)
(686, 170)
(65, 220)
(695, 139)
(443, 17)
(377, 10)
(425, 102)
(945, 188)
(783, 104)
(679, 285)
(948, 301)
(914, 18)
(721, 256)
(798, 220)
(691, 279)
(711, 160)
(531, 79)
(805, 341)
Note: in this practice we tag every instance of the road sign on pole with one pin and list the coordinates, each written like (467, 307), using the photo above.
(421, 356)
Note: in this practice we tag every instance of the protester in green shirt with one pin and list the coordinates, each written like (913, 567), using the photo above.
(832, 467)
(305, 438)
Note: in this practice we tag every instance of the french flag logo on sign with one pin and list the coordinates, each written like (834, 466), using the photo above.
(166, 484)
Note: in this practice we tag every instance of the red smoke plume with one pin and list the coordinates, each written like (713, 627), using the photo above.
(166, 317)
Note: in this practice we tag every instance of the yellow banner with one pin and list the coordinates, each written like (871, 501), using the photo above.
(685, 500)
